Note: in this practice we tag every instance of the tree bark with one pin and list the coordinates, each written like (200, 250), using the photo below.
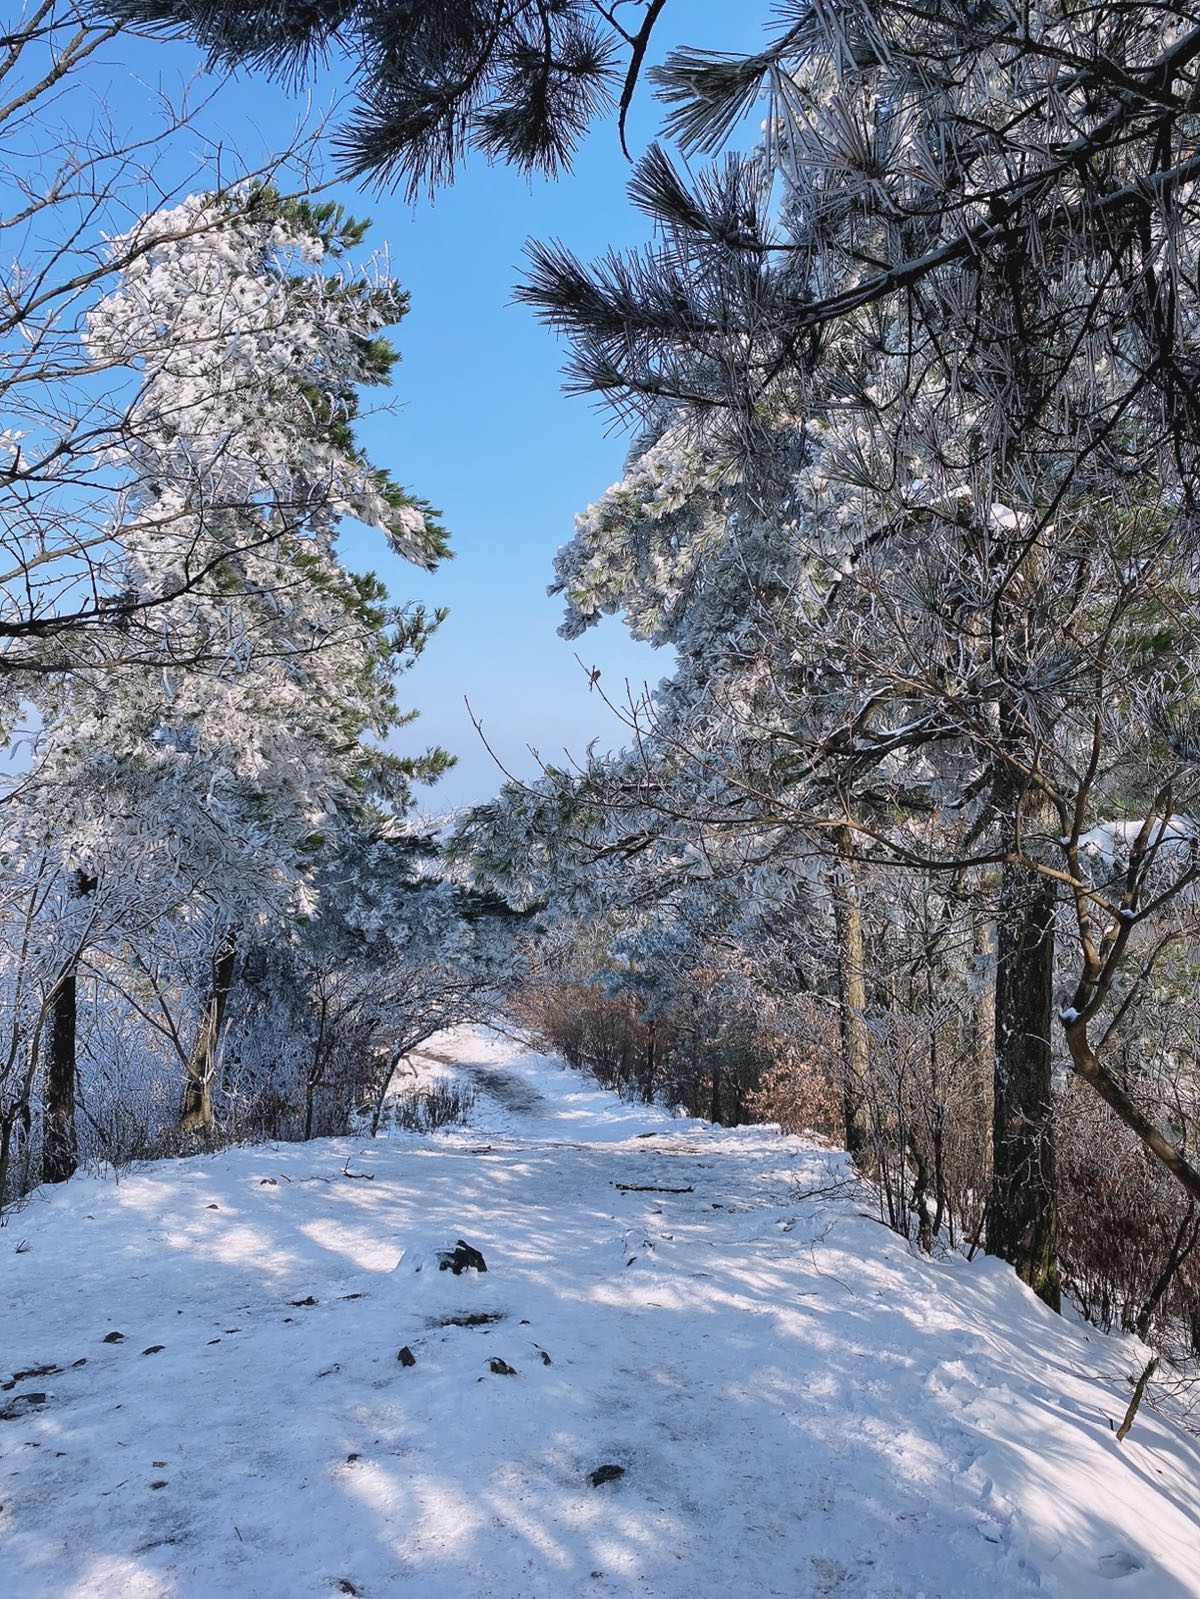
(1187, 1235)
(1022, 1225)
(920, 1195)
(196, 1111)
(381, 1097)
(983, 950)
(310, 1087)
(1138, 1390)
(651, 1062)
(59, 1149)
(714, 1095)
(316, 1070)
(852, 1002)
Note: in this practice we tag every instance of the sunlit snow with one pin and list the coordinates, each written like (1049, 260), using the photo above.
(801, 1406)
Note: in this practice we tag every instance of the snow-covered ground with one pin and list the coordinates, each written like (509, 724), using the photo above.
(800, 1406)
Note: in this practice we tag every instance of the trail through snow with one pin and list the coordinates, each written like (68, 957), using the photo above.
(800, 1406)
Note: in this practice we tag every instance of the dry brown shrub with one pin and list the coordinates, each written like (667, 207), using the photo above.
(800, 1088)
(1124, 1225)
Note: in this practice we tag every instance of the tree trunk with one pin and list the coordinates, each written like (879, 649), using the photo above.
(714, 1098)
(983, 950)
(8, 1127)
(316, 1070)
(920, 1195)
(852, 1001)
(59, 1152)
(1186, 1238)
(196, 1112)
(1022, 1225)
(394, 1060)
(310, 1086)
(651, 1062)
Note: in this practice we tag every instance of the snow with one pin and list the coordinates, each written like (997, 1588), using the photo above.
(801, 1406)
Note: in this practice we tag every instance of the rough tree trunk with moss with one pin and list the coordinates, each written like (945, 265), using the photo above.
(196, 1112)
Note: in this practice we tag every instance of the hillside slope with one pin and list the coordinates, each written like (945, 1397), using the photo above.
(799, 1405)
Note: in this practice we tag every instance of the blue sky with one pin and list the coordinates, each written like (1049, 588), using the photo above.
(483, 429)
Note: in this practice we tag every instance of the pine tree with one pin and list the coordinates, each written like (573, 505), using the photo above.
(243, 757)
(948, 379)
(518, 82)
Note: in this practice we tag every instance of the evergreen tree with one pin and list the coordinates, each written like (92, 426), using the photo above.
(946, 386)
(241, 760)
(519, 82)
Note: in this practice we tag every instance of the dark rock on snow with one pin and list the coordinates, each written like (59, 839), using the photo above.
(461, 1258)
(22, 1405)
(30, 1371)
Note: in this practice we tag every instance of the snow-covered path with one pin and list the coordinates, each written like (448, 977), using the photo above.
(800, 1407)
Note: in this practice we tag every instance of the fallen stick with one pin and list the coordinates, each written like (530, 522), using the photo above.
(1138, 1391)
(649, 1188)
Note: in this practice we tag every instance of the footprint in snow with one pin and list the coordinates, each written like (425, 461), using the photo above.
(1120, 1563)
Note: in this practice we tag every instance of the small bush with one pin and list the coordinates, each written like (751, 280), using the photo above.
(425, 1108)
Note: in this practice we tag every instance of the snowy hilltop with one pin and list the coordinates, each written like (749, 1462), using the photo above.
(695, 1365)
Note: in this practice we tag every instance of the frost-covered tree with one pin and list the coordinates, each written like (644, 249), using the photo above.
(280, 340)
(91, 185)
(397, 951)
(700, 937)
(935, 344)
(204, 687)
(243, 755)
